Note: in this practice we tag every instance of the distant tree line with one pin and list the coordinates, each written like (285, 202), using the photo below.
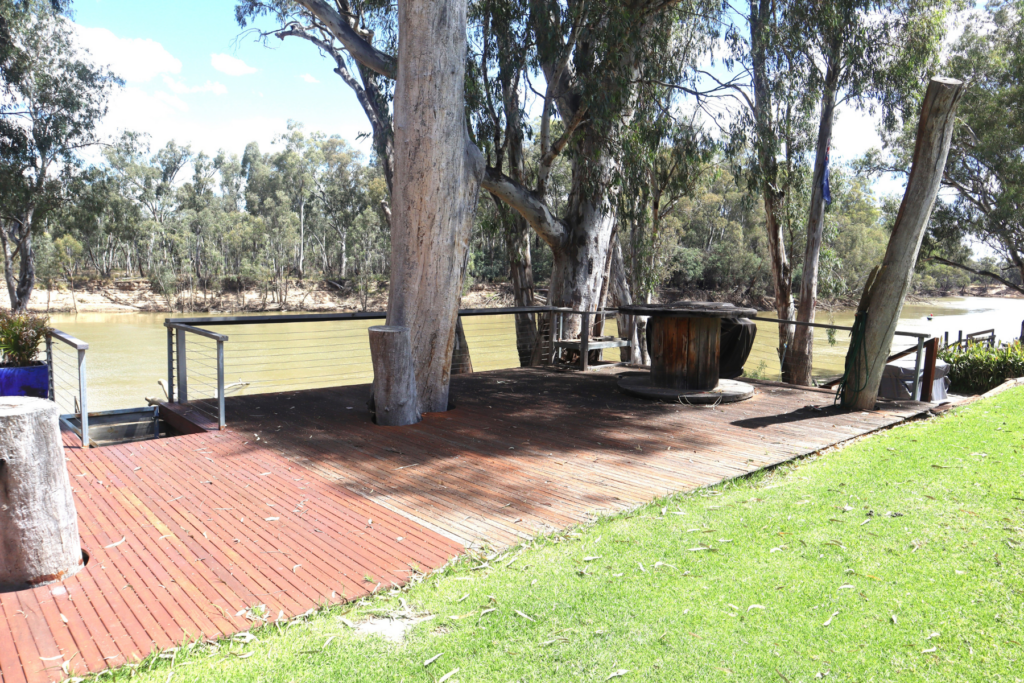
(631, 179)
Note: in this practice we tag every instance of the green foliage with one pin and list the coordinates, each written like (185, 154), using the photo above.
(977, 368)
(20, 336)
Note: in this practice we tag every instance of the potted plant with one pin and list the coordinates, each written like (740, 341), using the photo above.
(20, 373)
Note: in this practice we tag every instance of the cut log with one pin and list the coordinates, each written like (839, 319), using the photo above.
(39, 542)
(394, 377)
(885, 293)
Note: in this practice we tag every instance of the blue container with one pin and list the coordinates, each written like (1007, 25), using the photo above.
(29, 380)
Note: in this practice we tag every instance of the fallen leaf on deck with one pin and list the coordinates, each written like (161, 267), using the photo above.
(114, 545)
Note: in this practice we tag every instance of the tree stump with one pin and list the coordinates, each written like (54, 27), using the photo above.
(394, 377)
(39, 542)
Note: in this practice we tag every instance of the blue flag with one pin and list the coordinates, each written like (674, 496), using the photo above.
(826, 193)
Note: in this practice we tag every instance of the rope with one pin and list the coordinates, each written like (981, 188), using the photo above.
(856, 358)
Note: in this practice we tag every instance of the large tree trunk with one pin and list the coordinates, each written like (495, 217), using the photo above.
(579, 262)
(803, 337)
(766, 145)
(20, 285)
(884, 295)
(39, 542)
(437, 178)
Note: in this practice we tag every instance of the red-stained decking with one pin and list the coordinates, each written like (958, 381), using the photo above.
(186, 532)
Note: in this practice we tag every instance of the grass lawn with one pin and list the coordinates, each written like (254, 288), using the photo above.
(900, 557)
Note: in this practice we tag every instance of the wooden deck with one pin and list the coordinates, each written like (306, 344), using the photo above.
(304, 501)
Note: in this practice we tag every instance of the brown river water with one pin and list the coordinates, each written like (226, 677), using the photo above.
(128, 351)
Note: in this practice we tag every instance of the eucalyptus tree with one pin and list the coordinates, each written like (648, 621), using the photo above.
(870, 54)
(435, 167)
(51, 113)
(593, 57)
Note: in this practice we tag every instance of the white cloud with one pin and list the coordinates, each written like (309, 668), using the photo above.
(232, 66)
(136, 60)
(175, 102)
(308, 78)
(179, 88)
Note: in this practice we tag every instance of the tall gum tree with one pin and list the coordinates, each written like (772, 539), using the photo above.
(864, 53)
(50, 113)
(592, 57)
(434, 167)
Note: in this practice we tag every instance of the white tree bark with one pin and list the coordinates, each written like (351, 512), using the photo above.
(39, 542)
(437, 179)
(883, 300)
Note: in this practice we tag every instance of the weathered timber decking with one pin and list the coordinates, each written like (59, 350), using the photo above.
(180, 539)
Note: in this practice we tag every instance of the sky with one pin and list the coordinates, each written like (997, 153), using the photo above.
(192, 76)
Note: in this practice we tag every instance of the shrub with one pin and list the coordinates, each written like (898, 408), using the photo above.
(977, 368)
(20, 337)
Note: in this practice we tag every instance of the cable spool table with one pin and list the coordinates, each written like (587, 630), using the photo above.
(685, 338)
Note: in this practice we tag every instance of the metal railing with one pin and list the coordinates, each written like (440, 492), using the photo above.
(828, 353)
(68, 387)
(315, 350)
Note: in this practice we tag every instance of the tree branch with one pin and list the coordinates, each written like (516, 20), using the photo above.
(983, 273)
(357, 46)
(551, 229)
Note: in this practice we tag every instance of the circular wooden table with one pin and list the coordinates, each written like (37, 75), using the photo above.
(685, 338)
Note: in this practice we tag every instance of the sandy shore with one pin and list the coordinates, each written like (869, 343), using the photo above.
(111, 297)
(130, 296)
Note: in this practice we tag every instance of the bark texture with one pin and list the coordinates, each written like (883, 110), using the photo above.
(884, 297)
(767, 143)
(803, 337)
(437, 179)
(39, 542)
(394, 377)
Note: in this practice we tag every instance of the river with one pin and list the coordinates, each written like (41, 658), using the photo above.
(127, 351)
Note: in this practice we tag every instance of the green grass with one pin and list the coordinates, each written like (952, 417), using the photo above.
(900, 557)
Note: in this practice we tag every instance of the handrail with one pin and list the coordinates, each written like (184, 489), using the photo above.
(197, 330)
(83, 399)
(920, 335)
(361, 315)
(78, 344)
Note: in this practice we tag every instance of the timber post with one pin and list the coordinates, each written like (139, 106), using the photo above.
(394, 378)
(931, 354)
(884, 296)
(39, 541)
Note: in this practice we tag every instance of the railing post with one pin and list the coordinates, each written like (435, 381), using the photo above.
(170, 365)
(931, 353)
(220, 383)
(83, 417)
(584, 340)
(182, 369)
(52, 394)
(917, 369)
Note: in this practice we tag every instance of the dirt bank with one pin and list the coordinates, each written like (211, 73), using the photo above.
(110, 297)
(135, 295)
